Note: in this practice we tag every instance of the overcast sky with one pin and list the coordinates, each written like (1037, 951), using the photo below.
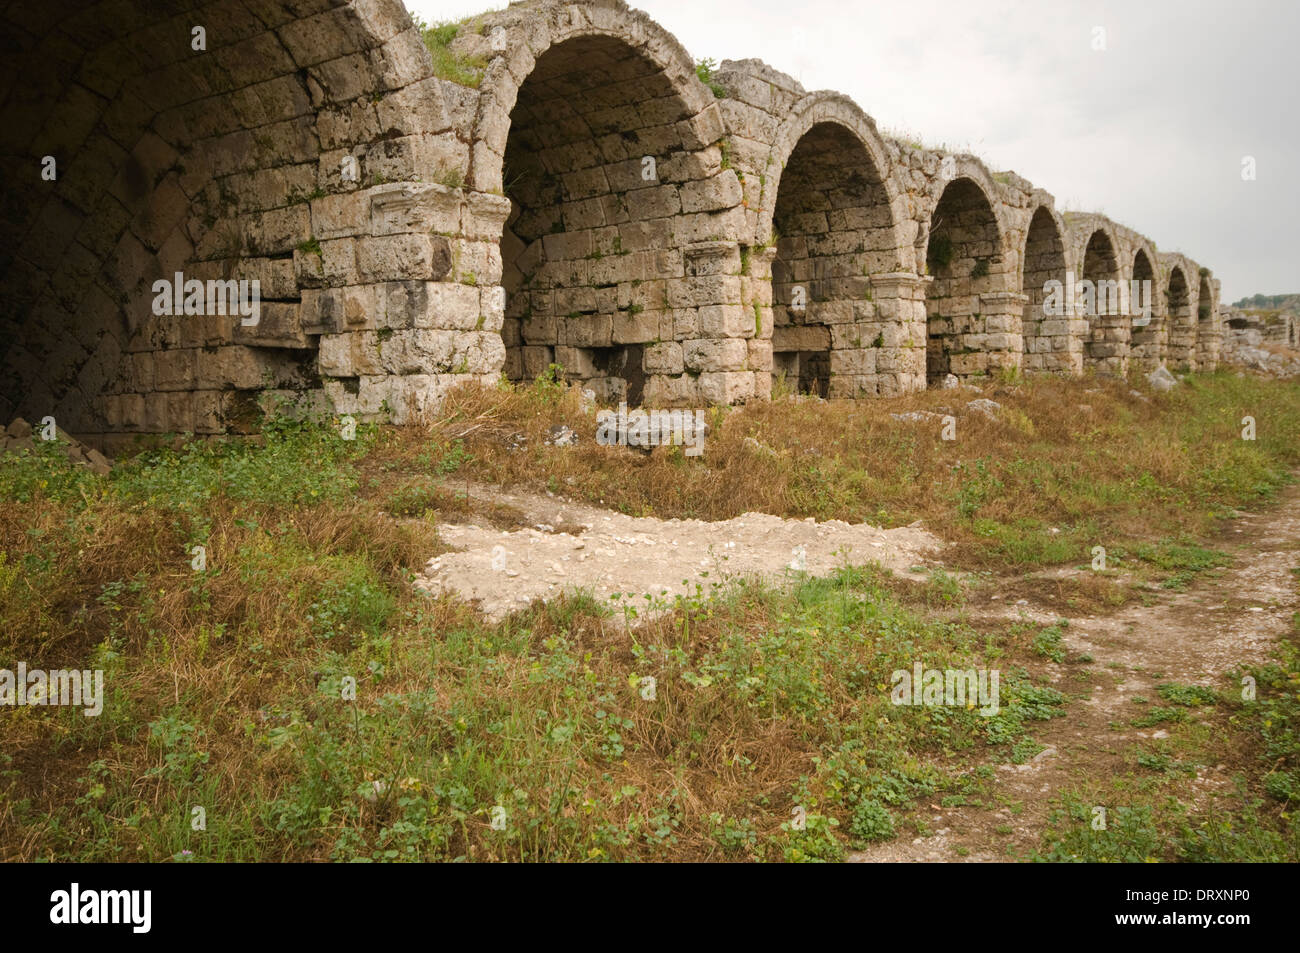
(1151, 131)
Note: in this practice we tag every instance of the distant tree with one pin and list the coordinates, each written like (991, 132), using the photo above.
(1290, 302)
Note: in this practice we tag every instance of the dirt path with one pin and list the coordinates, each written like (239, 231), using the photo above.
(575, 546)
(1220, 625)
(1224, 622)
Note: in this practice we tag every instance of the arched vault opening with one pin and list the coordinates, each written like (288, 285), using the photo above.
(594, 164)
(835, 230)
(1182, 321)
(1102, 299)
(1046, 329)
(963, 256)
(1150, 334)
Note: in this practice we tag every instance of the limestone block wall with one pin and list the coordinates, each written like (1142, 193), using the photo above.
(1257, 326)
(1180, 310)
(575, 195)
(965, 243)
(1265, 341)
(1209, 334)
(1100, 254)
(226, 162)
(1118, 336)
(1148, 342)
(421, 307)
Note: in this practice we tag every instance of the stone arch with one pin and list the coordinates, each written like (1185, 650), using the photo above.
(1209, 332)
(1150, 340)
(1102, 300)
(620, 199)
(837, 329)
(970, 168)
(209, 162)
(834, 108)
(973, 317)
(1182, 320)
(1049, 341)
(533, 30)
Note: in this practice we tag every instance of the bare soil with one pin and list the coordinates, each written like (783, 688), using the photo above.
(569, 545)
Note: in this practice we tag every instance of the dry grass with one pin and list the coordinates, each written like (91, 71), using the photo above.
(1086, 458)
(224, 686)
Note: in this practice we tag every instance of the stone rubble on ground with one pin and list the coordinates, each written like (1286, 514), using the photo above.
(19, 436)
(982, 405)
(1266, 343)
(634, 556)
(562, 436)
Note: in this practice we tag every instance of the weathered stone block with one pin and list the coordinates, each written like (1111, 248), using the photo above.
(242, 368)
(801, 338)
(278, 231)
(449, 306)
(280, 326)
(664, 358)
(723, 321)
(383, 258)
(702, 130)
(658, 202)
(536, 360)
(577, 362)
(719, 192)
(174, 370)
(730, 387)
(715, 355)
(858, 362)
(593, 330)
(639, 328)
(704, 291)
(414, 207)
(336, 309)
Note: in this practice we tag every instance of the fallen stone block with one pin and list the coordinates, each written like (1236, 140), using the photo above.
(989, 408)
(1161, 379)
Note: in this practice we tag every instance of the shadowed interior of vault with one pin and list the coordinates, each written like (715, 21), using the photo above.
(587, 246)
(834, 231)
(963, 257)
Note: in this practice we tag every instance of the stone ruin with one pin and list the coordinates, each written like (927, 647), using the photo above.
(555, 184)
(1262, 340)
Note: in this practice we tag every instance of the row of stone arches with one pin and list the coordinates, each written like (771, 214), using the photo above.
(864, 299)
(578, 197)
(1157, 323)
